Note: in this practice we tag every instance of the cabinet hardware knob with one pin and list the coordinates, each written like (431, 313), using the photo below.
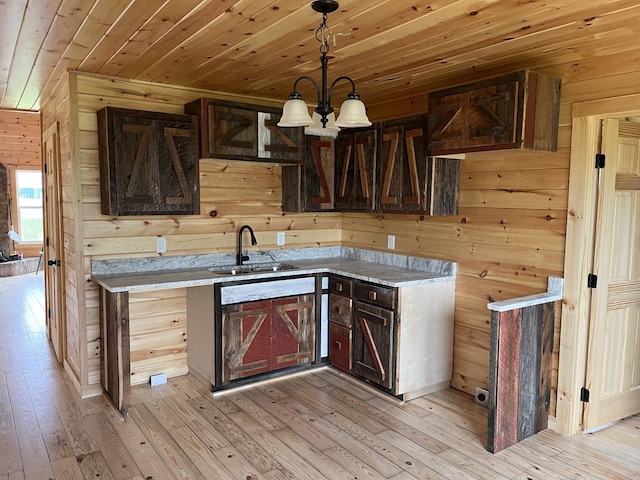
(338, 287)
(339, 310)
(373, 295)
(337, 345)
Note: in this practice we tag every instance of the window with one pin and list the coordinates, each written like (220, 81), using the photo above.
(29, 206)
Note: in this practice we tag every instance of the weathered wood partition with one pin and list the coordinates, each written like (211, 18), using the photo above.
(520, 367)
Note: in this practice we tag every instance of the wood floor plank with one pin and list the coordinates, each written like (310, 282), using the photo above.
(144, 455)
(33, 450)
(10, 459)
(112, 447)
(250, 450)
(399, 457)
(180, 465)
(93, 465)
(200, 454)
(211, 437)
(67, 469)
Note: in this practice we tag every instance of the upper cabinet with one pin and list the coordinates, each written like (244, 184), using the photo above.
(240, 131)
(355, 169)
(310, 187)
(409, 180)
(520, 111)
(148, 163)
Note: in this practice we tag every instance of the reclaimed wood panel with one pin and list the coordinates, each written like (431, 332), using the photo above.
(519, 374)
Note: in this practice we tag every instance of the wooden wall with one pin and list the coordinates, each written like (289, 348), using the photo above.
(240, 193)
(507, 239)
(20, 149)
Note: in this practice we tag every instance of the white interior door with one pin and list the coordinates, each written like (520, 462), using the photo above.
(613, 362)
(54, 292)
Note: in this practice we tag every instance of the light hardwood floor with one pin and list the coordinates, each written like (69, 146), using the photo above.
(313, 426)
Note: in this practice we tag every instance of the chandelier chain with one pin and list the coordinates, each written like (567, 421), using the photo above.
(322, 35)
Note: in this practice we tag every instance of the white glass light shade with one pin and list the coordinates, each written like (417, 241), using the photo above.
(295, 113)
(331, 130)
(353, 114)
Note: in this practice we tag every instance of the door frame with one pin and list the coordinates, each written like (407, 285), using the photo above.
(579, 245)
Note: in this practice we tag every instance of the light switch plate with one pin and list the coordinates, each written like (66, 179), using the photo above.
(161, 244)
(391, 242)
(280, 238)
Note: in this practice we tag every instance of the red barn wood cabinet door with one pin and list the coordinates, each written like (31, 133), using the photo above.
(267, 335)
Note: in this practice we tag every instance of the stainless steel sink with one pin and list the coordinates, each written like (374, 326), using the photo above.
(251, 268)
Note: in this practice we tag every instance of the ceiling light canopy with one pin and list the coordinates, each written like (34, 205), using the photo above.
(352, 112)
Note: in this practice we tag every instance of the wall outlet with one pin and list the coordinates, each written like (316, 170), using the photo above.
(280, 240)
(482, 396)
(158, 379)
(391, 242)
(161, 245)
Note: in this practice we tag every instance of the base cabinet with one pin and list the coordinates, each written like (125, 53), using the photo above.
(401, 339)
(267, 335)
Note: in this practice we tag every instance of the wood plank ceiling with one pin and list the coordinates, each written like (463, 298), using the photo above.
(391, 48)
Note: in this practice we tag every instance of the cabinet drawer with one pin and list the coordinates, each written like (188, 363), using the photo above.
(340, 310)
(340, 347)
(340, 286)
(376, 295)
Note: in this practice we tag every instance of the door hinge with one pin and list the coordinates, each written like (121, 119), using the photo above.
(592, 281)
(584, 395)
(45, 168)
(600, 158)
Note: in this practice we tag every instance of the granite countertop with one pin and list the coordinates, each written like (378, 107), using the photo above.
(385, 274)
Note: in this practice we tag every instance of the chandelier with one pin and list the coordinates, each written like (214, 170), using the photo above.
(295, 112)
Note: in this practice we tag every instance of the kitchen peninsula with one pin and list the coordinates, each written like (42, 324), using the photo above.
(403, 314)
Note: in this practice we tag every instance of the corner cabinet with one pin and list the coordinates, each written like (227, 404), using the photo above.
(516, 111)
(402, 338)
(242, 131)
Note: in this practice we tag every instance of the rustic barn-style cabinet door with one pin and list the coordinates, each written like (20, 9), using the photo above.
(519, 110)
(355, 167)
(403, 165)
(267, 335)
(311, 186)
(243, 131)
(373, 344)
(148, 162)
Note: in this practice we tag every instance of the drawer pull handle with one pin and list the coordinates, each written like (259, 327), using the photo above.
(339, 287)
(339, 310)
(337, 345)
(373, 295)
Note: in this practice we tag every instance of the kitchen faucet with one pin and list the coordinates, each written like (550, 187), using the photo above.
(240, 257)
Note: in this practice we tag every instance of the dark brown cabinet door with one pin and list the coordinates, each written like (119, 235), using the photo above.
(240, 131)
(519, 110)
(402, 175)
(355, 167)
(148, 162)
(267, 335)
(310, 187)
(373, 343)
